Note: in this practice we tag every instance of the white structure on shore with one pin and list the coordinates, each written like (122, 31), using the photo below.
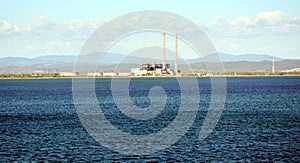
(68, 74)
(292, 70)
(110, 74)
(124, 74)
(95, 74)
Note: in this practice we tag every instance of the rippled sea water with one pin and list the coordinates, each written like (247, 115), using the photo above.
(260, 121)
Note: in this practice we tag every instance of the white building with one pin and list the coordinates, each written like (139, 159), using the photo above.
(134, 70)
(124, 74)
(38, 71)
(68, 74)
(292, 70)
(109, 74)
(141, 73)
(96, 74)
(158, 71)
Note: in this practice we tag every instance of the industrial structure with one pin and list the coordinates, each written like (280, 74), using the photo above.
(159, 68)
(68, 74)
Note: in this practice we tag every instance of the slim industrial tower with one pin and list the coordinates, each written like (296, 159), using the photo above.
(164, 51)
(176, 55)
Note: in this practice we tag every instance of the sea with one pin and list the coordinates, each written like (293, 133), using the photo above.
(260, 121)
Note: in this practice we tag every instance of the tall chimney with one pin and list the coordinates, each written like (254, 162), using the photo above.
(176, 55)
(164, 51)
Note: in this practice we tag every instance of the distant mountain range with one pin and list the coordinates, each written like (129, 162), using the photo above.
(20, 61)
(59, 63)
(244, 57)
(114, 58)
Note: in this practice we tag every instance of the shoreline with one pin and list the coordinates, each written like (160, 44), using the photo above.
(83, 77)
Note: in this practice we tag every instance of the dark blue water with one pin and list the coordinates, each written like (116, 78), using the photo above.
(260, 121)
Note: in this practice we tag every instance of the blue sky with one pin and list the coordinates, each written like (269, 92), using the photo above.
(33, 28)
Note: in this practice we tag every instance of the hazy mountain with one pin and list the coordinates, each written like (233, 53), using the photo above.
(235, 58)
(54, 58)
(251, 66)
(247, 57)
(14, 61)
(57, 63)
(114, 58)
(21, 61)
(240, 66)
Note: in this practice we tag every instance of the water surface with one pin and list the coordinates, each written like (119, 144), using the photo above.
(260, 121)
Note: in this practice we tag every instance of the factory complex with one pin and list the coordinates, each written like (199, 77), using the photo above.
(159, 69)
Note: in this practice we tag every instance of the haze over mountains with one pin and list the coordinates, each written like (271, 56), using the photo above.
(114, 58)
(59, 63)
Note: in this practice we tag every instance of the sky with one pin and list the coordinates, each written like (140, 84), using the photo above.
(34, 28)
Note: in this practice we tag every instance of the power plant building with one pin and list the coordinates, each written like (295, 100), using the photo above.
(158, 68)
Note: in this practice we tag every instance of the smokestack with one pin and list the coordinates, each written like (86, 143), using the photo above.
(164, 51)
(176, 55)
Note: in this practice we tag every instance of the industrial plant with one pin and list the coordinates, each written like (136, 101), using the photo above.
(159, 69)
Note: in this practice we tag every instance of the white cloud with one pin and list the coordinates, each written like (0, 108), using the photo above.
(264, 23)
(78, 28)
(44, 35)
(58, 45)
(43, 23)
(43, 26)
(234, 46)
(7, 28)
(29, 47)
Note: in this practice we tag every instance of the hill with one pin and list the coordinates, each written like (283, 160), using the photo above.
(59, 63)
